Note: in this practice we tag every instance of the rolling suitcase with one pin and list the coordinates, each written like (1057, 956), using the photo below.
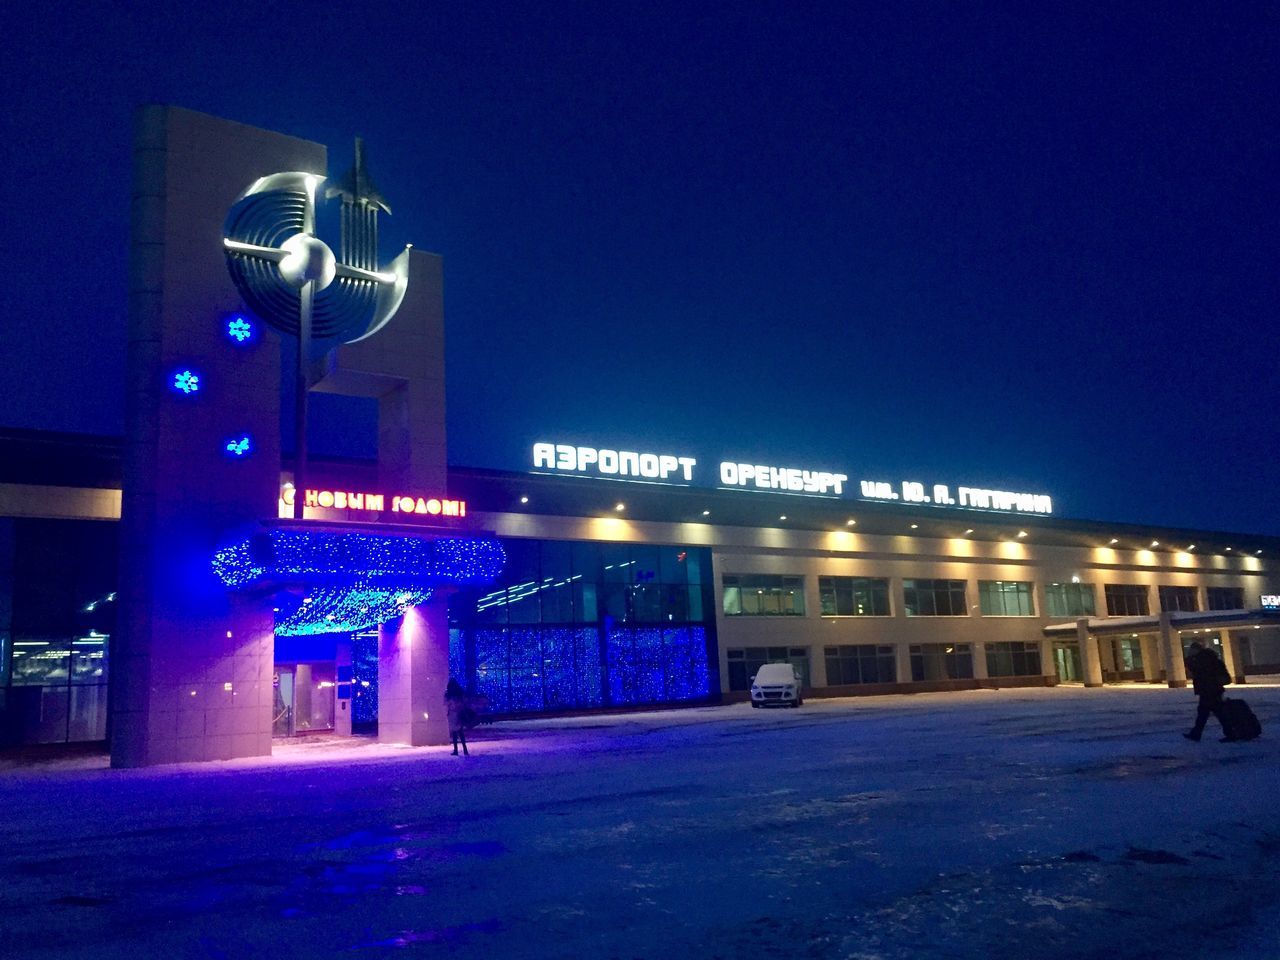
(1238, 721)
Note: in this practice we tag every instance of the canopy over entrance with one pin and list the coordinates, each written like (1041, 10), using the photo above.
(1201, 620)
(344, 578)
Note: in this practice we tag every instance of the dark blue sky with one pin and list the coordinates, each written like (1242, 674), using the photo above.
(925, 241)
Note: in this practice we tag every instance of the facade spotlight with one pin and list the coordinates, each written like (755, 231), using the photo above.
(1155, 543)
(915, 526)
(1114, 541)
(706, 513)
(783, 517)
(969, 531)
(620, 506)
(1022, 533)
(524, 499)
(851, 523)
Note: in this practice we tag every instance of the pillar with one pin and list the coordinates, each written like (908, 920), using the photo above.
(902, 662)
(1175, 670)
(1090, 659)
(1233, 662)
(980, 662)
(413, 670)
(1150, 658)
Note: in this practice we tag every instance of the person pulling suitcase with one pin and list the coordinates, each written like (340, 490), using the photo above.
(1209, 677)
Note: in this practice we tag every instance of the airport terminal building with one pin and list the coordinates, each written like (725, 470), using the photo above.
(618, 595)
(191, 591)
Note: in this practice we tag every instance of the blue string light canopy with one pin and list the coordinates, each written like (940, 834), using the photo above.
(337, 581)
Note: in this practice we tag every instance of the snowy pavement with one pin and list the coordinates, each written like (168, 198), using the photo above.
(1045, 823)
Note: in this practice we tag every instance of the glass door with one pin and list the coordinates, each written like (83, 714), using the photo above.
(1066, 657)
(282, 712)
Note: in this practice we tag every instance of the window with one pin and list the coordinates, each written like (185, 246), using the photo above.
(1128, 654)
(934, 598)
(1126, 600)
(941, 661)
(552, 582)
(1069, 599)
(1179, 598)
(854, 596)
(745, 661)
(860, 663)
(762, 595)
(1006, 598)
(1226, 598)
(1013, 659)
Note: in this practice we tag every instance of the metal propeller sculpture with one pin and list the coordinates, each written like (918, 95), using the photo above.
(293, 281)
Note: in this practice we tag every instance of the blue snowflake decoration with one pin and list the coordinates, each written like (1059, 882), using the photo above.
(240, 446)
(186, 382)
(239, 329)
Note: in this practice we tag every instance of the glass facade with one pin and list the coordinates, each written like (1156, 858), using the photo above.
(762, 595)
(860, 663)
(576, 625)
(1225, 598)
(745, 661)
(941, 661)
(57, 613)
(854, 596)
(1179, 598)
(1006, 598)
(1013, 659)
(1127, 600)
(934, 598)
(1070, 599)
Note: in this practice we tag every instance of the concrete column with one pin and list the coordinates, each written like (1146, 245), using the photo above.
(979, 661)
(1090, 661)
(1175, 671)
(902, 660)
(1150, 658)
(1233, 662)
(413, 670)
(1048, 668)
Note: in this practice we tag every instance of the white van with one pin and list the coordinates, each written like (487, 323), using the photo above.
(776, 685)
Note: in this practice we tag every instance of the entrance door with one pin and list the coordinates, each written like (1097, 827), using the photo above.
(304, 697)
(282, 712)
(1066, 657)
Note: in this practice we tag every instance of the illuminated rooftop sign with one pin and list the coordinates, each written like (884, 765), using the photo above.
(1271, 601)
(614, 464)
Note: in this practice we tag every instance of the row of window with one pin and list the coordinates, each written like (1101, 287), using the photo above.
(778, 595)
(849, 664)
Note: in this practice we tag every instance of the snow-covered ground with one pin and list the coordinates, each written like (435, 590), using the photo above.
(1019, 824)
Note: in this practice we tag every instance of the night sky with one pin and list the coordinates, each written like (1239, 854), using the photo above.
(909, 241)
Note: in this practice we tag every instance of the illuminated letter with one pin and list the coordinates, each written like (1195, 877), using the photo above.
(761, 475)
(288, 496)
(586, 455)
(373, 501)
(665, 465)
(629, 464)
(729, 474)
(608, 461)
(688, 462)
(355, 501)
(326, 498)
(745, 474)
(433, 507)
(565, 461)
(313, 499)
(544, 455)
(452, 508)
(340, 500)
(839, 479)
(421, 506)
(648, 465)
(795, 480)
